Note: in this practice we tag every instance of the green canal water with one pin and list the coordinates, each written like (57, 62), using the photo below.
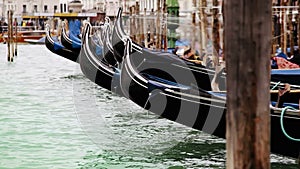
(51, 116)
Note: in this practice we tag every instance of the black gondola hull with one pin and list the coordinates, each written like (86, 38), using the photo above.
(58, 49)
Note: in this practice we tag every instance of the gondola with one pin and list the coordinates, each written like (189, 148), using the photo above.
(57, 48)
(145, 58)
(107, 46)
(119, 37)
(291, 76)
(93, 64)
(199, 109)
(66, 41)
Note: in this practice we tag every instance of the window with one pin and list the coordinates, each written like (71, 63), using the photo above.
(45, 8)
(35, 8)
(24, 9)
(55, 8)
(111, 4)
(65, 7)
(61, 8)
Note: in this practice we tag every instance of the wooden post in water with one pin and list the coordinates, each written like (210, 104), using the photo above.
(133, 24)
(158, 30)
(141, 27)
(200, 28)
(282, 13)
(16, 37)
(221, 29)
(193, 30)
(248, 45)
(145, 29)
(12, 41)
(152, 23)
(283, 28)
(203, 25)
(164, 34)
(8, 37)
(130, 22)
(273, 29)
(10, 52)
(137, 23)
(298, 26)
(216, 33)
(291, 29)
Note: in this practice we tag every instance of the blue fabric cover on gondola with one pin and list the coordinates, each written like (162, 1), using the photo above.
(159, 83)
(75, 44)
(294, 105)
(74, 38)
(57, 46)
(74, 31)
(74, 27)
(291, 76)
(152, 85)
(182, 43)
(279, 53)
(285, 72)
(98, 50)
(217, 94)
(77, 26)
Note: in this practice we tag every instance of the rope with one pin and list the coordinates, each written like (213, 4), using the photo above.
(293, 86)
(281, 123)
(275, 85)
(287, 32)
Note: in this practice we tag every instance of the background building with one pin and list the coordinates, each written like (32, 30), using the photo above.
(63, 6)
(28, 7)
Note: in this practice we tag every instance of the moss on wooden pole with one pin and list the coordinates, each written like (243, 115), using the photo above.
(248, 46)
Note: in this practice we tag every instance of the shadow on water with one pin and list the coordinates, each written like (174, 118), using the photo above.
(192, 152)
(198, 150)
(74, 77)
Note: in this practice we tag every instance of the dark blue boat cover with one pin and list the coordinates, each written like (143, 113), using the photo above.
(57, 46)
(285, 72)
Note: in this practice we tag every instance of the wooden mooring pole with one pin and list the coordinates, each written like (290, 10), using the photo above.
(165, 19)
(193, 29)
(298, 29)
(284, 27)
(248, 46)
(291, 29)
(10, 52)
(152, 28)
(158, 28)
(16, 36)
(203, 25)
(145, 30)
(216, 33)
(138, 23)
